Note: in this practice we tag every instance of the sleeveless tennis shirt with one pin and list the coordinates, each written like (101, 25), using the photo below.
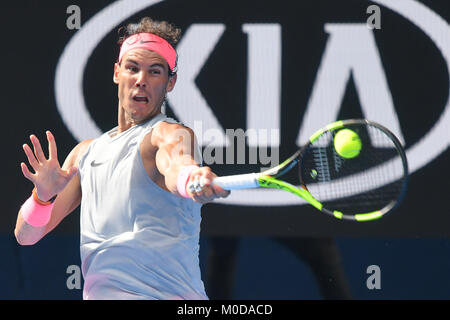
(138, 241)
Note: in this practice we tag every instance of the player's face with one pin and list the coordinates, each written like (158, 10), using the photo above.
(143, 81)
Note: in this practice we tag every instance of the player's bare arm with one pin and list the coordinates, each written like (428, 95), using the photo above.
(49, 180)
(173, 148)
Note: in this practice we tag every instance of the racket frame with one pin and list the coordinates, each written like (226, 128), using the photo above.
(269, 178)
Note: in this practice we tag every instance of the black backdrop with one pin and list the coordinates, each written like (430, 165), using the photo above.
(35, 35)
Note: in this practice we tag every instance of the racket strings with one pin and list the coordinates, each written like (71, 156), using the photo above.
(367, 182)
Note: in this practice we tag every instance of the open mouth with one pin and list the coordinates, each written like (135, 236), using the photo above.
(141, 98)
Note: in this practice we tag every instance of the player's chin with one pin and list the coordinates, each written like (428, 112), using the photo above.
(141, 116)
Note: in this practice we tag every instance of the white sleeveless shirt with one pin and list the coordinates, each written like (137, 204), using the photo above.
(138, 241)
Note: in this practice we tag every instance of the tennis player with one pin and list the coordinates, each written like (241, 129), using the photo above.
(139, 225)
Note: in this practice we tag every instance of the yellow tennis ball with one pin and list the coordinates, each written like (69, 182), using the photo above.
(347, 143)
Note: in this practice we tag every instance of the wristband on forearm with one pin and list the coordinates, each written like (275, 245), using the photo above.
(183, 178)
(36, 212)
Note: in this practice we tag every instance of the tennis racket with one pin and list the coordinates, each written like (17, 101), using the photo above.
(364, 187)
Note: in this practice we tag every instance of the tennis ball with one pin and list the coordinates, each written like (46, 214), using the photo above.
(347, 143)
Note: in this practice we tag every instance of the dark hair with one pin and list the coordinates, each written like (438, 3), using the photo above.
(163, 29)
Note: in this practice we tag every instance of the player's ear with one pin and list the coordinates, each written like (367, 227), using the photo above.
(116, 73)
(171, 83)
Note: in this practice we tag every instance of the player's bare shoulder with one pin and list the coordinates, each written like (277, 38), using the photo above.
(77, 152)
(166, 133)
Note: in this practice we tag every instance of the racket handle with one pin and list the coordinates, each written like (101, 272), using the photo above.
(239, 181)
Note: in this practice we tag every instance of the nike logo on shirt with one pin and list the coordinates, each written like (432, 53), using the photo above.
(96, 164)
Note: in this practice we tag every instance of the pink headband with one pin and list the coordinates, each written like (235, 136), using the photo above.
(151, 42)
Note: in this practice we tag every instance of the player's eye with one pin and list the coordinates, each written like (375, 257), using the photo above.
(132, 68)
(155, 71)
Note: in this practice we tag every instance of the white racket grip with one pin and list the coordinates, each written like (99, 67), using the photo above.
(238, 181)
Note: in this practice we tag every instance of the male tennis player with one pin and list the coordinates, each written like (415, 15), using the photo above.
(139, 223)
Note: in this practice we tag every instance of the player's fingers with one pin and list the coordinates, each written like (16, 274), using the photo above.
(207, 188)
(190, 187)
(201, 188)
(207, 180)
(208, 194)
(222, 193)
(52, 149)
(204, 181)
(201, 198)
(194, 186)
(204, 190)
(30, 156)
(37, 149)
(197, 198)
(195, 190)
(26, 172)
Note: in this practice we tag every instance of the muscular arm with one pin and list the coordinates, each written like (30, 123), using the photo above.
(69, 192)
(175, 149)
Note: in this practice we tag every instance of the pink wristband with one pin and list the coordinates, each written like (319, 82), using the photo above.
(36, 214)
(183, 178)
